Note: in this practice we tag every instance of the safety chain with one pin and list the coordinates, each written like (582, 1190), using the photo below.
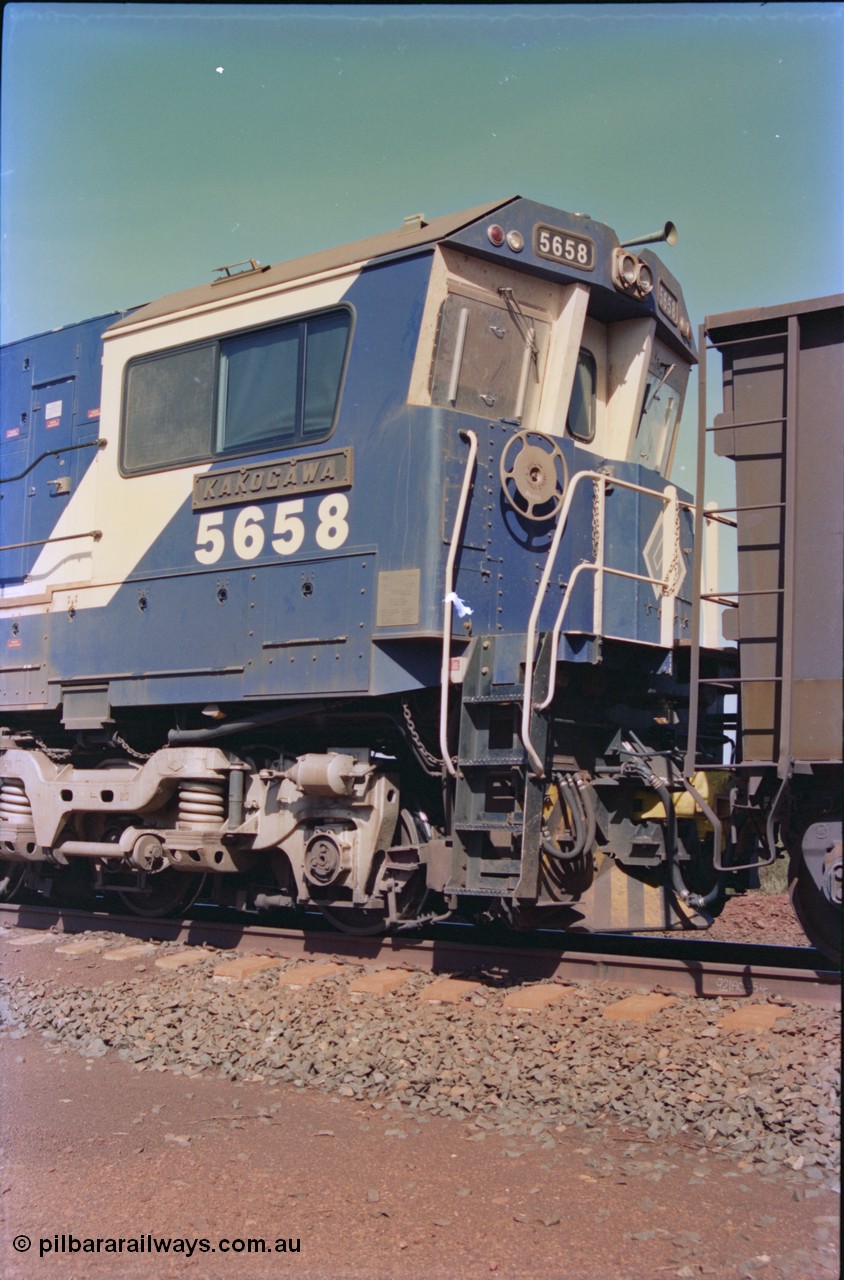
(130, 751)
(53, 753)
(672, 575)
(596, 519)
(430, 759)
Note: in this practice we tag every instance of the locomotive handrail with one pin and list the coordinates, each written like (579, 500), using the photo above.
(584, 566)
(668, 496)
(96, 534)
(445, 669)
(53, 453)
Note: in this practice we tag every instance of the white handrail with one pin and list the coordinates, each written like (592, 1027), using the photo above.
(445, 670)
(555, 633)
(667, 496)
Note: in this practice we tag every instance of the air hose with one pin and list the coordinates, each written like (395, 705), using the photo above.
(577, 793)
(640, 768)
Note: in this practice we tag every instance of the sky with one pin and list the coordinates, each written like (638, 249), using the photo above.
(143, 145)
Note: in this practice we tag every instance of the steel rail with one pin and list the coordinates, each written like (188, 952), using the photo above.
(572, 959)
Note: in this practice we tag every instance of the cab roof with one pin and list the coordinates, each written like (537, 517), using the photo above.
(415, 234)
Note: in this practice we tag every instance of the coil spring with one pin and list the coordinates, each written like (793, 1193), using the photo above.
(15, 805)
(201, 805)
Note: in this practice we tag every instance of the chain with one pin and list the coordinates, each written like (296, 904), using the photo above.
(52, 753)
(596, 520)
(130, 751)
(431, 760)
(672, 574)
(64, 753)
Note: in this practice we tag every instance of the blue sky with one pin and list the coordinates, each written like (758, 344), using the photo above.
(132, 166)
(144, 145)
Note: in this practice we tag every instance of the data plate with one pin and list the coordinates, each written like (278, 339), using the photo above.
(564, 247)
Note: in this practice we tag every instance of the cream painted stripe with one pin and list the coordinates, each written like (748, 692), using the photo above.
(133, 512)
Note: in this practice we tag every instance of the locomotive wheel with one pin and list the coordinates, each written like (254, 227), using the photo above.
(168, 893)
(411, 901)
(820, 920)
(11, 879)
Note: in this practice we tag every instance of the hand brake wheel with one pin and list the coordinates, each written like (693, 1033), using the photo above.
(534, 477)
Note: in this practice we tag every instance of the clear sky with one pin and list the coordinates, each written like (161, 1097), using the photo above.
(145, 144)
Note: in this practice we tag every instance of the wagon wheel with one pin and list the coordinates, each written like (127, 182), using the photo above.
(534, 477)
(11, 879)
(167, 893)
(819, 919)
(365, 923)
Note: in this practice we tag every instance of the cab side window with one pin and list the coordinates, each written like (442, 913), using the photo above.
(277, 386)
(581, 416)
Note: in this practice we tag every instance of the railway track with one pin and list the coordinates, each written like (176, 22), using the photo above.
(679, 965)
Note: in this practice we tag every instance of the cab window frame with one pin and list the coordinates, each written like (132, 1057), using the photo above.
(132, 461)
(592, 365)
(512, 390)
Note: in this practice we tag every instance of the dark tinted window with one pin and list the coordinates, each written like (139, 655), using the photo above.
(581, 418)
(276, 386)
(170, 405)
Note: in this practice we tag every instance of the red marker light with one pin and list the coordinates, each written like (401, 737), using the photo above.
(495, 235)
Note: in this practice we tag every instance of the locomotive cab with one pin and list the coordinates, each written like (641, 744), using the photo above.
(549, 357)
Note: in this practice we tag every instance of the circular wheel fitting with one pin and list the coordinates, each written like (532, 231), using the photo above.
(147, 854)
(534, 477)
(323, 860)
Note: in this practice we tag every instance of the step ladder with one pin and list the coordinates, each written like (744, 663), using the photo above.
(498, 800)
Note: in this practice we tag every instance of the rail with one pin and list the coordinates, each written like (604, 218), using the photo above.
(682, 963)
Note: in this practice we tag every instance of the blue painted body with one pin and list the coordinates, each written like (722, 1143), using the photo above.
(58, 368)
(177, 633)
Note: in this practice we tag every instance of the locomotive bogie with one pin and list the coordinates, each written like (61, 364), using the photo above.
(198, 810)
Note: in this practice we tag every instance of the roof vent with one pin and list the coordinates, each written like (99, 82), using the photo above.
(245, 268)
(413, 222)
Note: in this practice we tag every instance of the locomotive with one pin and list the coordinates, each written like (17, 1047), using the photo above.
(358, 584)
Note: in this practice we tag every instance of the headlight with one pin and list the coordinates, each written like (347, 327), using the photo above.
(644, 280)
(631, 274)
(626, 270)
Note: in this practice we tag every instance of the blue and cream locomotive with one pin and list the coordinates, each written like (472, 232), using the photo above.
(358, 583)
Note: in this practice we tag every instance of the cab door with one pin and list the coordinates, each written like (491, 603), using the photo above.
(48, 485)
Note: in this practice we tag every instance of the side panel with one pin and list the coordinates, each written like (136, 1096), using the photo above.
(50, 425)
(50, 389)
(286, 603)
(818, 600)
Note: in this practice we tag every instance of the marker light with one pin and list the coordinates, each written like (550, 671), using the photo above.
(631, 274)
(495, 235)
(515, 241)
